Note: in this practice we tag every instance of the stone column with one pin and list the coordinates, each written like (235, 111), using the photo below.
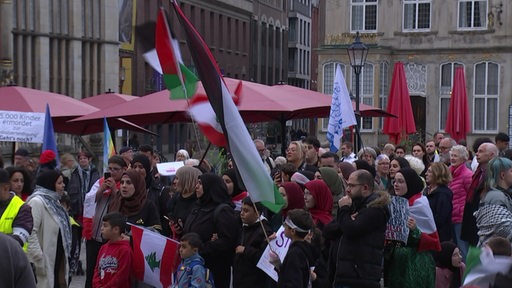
(6, 41)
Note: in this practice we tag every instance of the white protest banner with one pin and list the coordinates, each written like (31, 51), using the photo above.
(396, 228)
(21, 126)
(169, 168)
(280, 245)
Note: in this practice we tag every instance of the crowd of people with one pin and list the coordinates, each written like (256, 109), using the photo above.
(390, 216)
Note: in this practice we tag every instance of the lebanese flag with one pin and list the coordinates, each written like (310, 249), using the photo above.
(247, 160)
(419, 209)
(180, 81)
(155, 257)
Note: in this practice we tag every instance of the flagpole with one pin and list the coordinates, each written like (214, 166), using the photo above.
(262, 227)
(204, 154)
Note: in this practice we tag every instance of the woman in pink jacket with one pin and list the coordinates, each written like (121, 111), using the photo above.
(461, 180)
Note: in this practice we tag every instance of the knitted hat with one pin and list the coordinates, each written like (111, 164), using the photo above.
(46, 157)
(4, 176)
(22, 152)
(346, 169)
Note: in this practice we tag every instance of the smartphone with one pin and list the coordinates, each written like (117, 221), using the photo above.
(107, 175)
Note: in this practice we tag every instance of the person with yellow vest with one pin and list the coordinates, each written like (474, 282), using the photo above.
(15, 216)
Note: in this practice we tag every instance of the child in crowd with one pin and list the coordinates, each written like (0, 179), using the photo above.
(113, 267)
(252, 243)
(295, 271)
(191, 272)
(449, 266)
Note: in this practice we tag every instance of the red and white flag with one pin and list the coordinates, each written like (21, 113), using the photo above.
(419, 209)
(202, 112)
(155, 257)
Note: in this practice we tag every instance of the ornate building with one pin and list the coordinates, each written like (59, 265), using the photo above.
(431, 38)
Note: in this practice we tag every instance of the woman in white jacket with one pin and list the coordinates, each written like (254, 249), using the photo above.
(50, 241)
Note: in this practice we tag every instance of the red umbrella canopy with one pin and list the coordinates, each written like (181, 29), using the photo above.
(62, 107)
(457, 120)
(256, 103)
(399, 104)
(105, 100)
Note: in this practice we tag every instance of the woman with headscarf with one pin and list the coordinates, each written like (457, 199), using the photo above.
(183, 200)
(131, 201)
(213, 218)
(293, 197)
(411, 265)
(236, 193)
(318, 200)
(49, 245)
(182, 155)
(449, 266)
(155, 193)
(335, 184)
(395, 165)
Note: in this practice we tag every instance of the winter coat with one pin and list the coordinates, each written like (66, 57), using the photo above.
(113, 267)
(191, 273)
(218, 254)
(74, 189)
(461, 181)
(42, 246)
(360, 250)
(440, 201)
(245, 272)
(295, 270)
(147, 216)
(16, 270)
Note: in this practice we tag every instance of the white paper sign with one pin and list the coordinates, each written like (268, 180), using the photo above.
(21, 126)
(280, 245)
(169, 168)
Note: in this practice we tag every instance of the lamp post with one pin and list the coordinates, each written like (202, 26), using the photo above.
(357, 53)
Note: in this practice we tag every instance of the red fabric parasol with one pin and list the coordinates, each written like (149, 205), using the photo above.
(457, 120)
(399, 104)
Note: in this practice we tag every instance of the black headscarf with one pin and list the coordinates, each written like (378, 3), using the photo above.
(363, 165)
(443, 259)
(215, 191)
(413, 180)
(237, 188)
(143, 159)
(48, 178)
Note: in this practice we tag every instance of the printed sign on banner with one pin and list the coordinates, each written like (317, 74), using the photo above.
(169, 168)
(21, 126)
(280, 245)
(397, 224)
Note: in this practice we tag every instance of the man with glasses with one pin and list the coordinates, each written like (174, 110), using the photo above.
(362, 218)
(268, 162)
(95, 207)
(444, 150)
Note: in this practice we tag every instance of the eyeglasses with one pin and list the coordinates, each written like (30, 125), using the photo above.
(352, 185)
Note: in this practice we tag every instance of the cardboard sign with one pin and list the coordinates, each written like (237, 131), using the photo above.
(280, 245)
(396, 228)
(169, 168)
(21, 126)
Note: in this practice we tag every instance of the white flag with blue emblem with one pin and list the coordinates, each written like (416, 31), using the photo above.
(342, 114)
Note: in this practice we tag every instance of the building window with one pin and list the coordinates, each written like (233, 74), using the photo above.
(329, 71)
(446, 84)
(472, 14)
(486, 94)
(365, 93)
(416, 15)
(383, 89)
(364, 15)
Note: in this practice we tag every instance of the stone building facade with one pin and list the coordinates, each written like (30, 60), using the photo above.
(431, 38)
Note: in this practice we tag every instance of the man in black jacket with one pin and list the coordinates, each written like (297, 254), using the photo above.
(362, 218)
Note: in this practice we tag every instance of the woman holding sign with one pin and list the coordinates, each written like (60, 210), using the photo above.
(412, 265)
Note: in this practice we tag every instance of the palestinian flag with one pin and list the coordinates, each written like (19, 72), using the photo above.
(180, 81)
(155, 257)
(247, 160)
(482, 267)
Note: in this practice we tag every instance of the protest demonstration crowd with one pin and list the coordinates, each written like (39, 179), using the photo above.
(437, 214)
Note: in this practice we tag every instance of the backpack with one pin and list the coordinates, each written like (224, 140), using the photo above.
(208, 277)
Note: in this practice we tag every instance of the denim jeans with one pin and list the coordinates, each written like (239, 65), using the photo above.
(463, 245)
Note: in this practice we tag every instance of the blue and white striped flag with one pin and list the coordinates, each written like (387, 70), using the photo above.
(342, 114)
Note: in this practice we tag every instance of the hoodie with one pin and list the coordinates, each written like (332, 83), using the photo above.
(113, 266)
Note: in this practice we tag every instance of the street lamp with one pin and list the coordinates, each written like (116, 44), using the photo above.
(357, 53)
